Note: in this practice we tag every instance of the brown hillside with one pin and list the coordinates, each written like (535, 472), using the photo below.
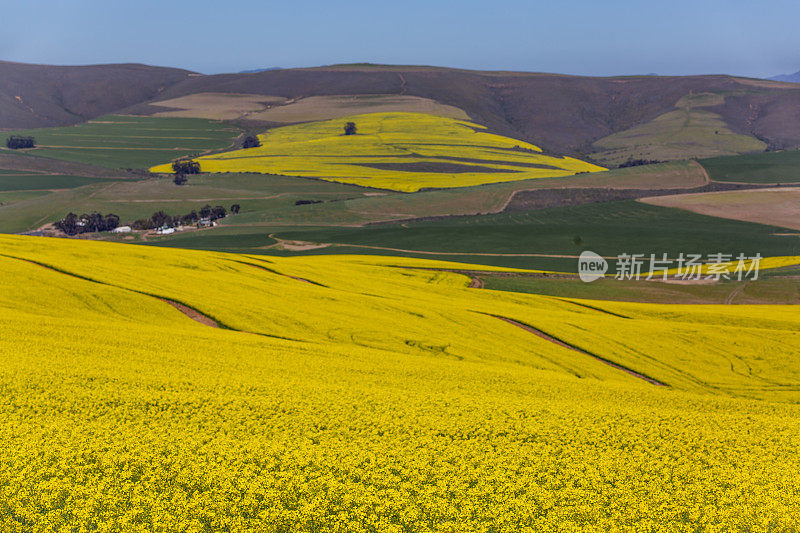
(33, 96)
(561, 113)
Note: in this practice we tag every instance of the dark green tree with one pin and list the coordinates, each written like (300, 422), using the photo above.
(186, 166)
(17, 142)
(251, 141)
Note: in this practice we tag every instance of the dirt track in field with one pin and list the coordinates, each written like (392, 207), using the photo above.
(563, 344)
(194, 314)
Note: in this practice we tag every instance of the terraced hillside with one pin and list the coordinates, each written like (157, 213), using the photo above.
(383, 390)
(397, 151)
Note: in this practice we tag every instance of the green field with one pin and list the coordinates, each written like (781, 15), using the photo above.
(767, 167)
(690, 131)
(607, 228)
(134, 199)
(269, 200)
(771, 290)
(30, 182)
(122, 141)
(514, 239)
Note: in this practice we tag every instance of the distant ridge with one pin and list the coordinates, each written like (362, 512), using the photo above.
(561, 113)
(791, 78)
(255, 70)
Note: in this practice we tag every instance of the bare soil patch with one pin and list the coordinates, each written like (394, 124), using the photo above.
(194, 314)
(216, 106)
(775, 206)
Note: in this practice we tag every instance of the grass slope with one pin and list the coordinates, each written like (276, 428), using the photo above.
(23, 182)
(269, 200)
(117, 141)
(768, 167)
(690, 131)
(134, 199)
(774, 289)
(609, 229)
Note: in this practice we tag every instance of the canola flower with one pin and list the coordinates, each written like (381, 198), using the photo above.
(395, 151)
(349, 393)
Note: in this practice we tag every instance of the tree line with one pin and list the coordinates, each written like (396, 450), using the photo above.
(73, 224)
(161, 219)
(15, 142)
(639, 162)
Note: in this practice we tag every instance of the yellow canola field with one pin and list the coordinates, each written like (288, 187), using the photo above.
(397, 151)
(354, 393)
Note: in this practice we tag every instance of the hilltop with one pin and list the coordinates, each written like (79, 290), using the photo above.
(34, 96)
(560, 113)
(791, 78)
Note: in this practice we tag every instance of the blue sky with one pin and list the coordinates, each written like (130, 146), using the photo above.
(597, 37)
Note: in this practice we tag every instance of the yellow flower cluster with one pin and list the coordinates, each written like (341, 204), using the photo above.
(397, 151)
(349, 393)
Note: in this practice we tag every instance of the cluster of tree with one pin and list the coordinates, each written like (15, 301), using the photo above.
(307, 202)
(15, 142)
(160, 219)
(518, 148)
(251, 141)
(639, 162)
(180, 179)
(350, 128)
(186, 166)
(73, 224)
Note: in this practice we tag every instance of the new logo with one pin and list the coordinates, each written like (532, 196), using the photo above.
(591, 266)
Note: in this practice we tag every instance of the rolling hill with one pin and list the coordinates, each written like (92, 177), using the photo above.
(34, 96)
(149, 389)
(395, 151)
(563, 114)
(791, 78)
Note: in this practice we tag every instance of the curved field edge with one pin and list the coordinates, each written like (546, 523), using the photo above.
(396, 151)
